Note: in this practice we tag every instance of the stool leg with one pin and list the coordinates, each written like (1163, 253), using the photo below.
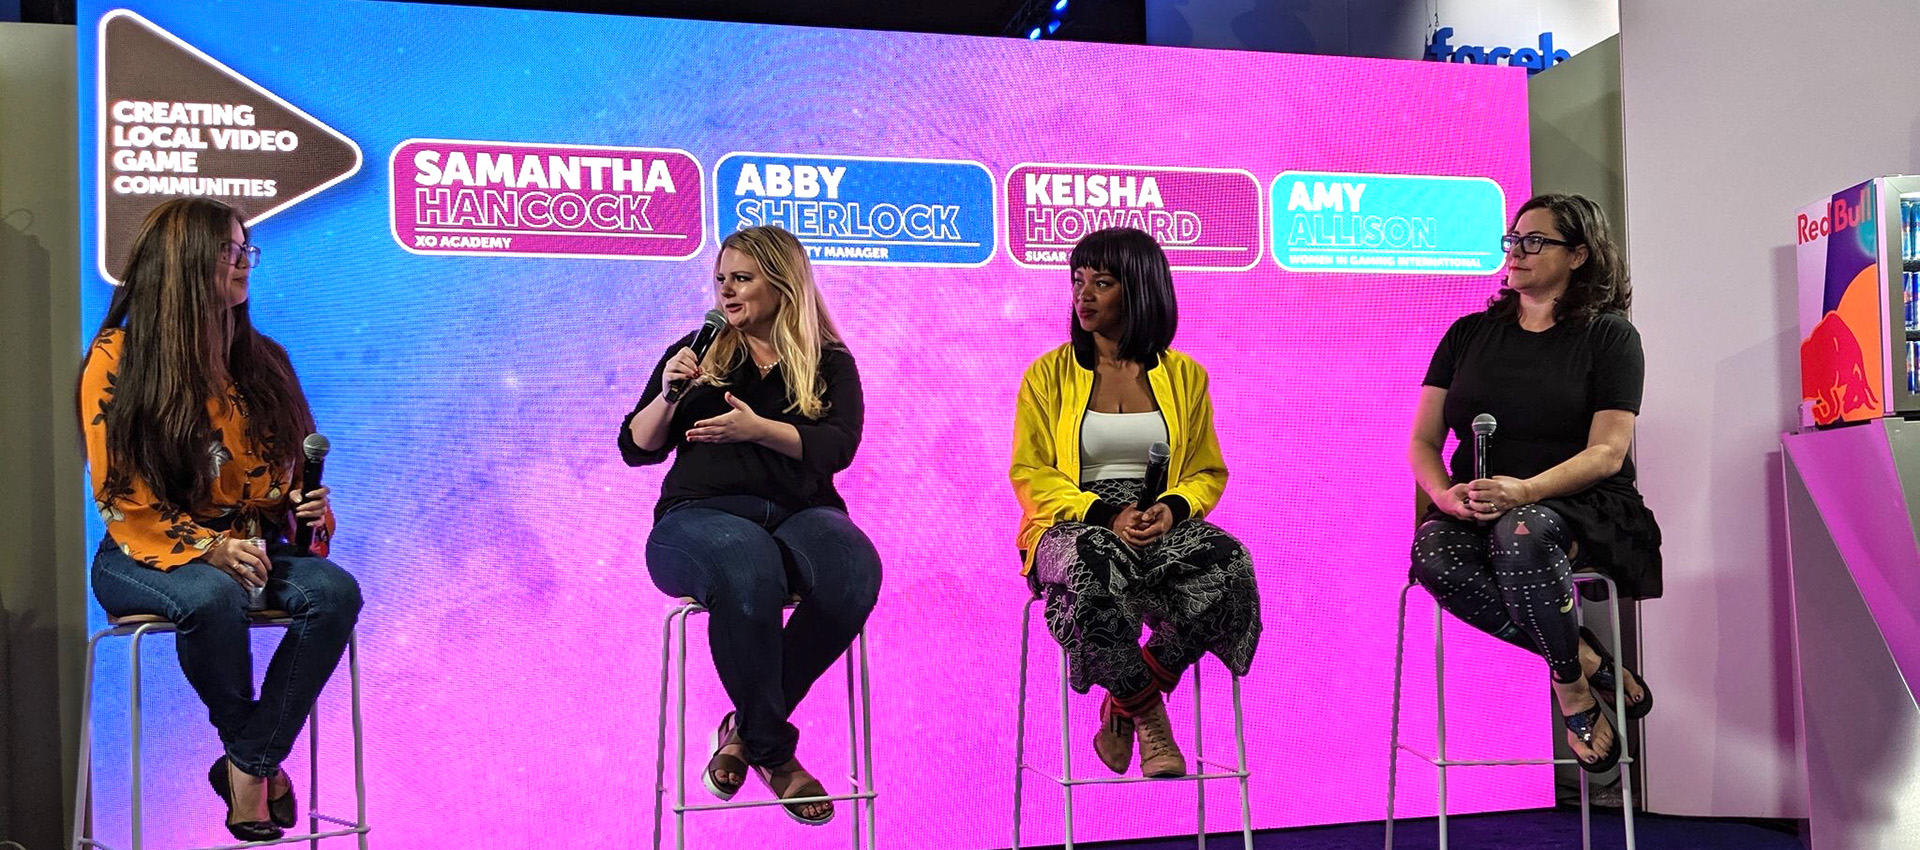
(133, 722)
(1240, 747)
(313, 775)
(1586, 811)
(1620, 699)
(1200, 764)
(359, 738)
(1020, 722)
(83, 772)
(1066, 747)
(1440, 709)
(1586, 815)
(660, 747)
(1393, 736)
(853, 746)
(866, 743)
(680, 736)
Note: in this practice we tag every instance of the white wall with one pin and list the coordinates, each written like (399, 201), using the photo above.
(1734, 113)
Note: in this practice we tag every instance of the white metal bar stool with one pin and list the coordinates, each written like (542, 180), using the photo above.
(1066, 779)
(1440, 760)
(673, 657)
(138, 626)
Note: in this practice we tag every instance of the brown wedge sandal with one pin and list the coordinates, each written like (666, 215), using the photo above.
(725, 735)
(785, 784)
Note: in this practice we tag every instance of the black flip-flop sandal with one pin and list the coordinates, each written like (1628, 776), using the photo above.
(809, 788)
(1581, 724)
(1602, 679)
(723, 735)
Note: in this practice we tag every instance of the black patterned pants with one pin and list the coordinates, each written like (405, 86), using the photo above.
(1509, 578)
(1193, 587)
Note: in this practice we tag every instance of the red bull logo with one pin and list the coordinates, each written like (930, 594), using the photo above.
(1833, 372)
(1839, 217)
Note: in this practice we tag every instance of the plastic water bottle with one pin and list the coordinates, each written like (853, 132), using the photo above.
(257, 596)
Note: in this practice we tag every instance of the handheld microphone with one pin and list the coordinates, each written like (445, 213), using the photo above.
(1483, 427)
(701, 342)
(1156, 481)
(315, 447)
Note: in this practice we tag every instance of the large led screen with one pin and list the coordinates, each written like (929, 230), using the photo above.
(482, 227)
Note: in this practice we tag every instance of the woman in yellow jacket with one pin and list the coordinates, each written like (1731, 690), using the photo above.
(1088, 413)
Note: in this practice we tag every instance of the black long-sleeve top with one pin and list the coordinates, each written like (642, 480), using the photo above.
(705, 470)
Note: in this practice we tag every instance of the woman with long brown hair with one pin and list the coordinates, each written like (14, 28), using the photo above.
(748, 514)
(193, 422)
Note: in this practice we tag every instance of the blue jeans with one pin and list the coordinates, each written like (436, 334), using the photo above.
(210, 609)
(743, 570)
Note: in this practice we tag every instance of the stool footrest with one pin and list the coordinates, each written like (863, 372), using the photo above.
(797, 801)
(1492, 762)
(334, 820)
(285, 839)
(1127, 780)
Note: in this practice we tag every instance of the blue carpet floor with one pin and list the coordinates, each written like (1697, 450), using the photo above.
(1547, 829)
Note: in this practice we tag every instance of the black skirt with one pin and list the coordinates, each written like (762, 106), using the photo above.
(1618, 535)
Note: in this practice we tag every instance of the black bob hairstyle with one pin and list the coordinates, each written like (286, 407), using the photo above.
(1146, 289)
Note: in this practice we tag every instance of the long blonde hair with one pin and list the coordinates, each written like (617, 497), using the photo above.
(801, 328)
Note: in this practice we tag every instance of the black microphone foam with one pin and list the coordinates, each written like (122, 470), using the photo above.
(702, 341)
(1156, 480)
(315, 447)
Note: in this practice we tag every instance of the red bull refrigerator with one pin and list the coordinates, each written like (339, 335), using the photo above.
(1859, 268)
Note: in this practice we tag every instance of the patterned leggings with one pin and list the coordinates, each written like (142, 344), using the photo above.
(1510, 579)
(1194, 587)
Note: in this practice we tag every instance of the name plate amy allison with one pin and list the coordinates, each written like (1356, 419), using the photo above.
(1206, 219)
(1387, 223)
(858, 210)
(517, 199)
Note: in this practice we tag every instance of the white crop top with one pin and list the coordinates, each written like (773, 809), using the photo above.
(1114, 445)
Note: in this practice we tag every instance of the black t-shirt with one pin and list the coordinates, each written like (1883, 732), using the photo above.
(1542, 388)
(705, 470)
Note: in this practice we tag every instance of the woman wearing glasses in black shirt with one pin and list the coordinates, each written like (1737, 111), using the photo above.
(1555, 361)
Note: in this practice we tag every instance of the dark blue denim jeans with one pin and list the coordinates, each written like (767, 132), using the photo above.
(210, 609)
(743, 570)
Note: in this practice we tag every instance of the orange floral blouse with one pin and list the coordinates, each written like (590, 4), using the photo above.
(246, 489)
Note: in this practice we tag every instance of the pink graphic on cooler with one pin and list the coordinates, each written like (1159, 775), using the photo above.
(546, 200)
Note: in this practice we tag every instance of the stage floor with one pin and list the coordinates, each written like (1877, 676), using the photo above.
(1545, 829)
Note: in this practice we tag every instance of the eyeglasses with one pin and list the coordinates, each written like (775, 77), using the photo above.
(235, 252)
(1530, 244)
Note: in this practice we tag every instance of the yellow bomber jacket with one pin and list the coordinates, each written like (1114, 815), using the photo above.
(1046, 440)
